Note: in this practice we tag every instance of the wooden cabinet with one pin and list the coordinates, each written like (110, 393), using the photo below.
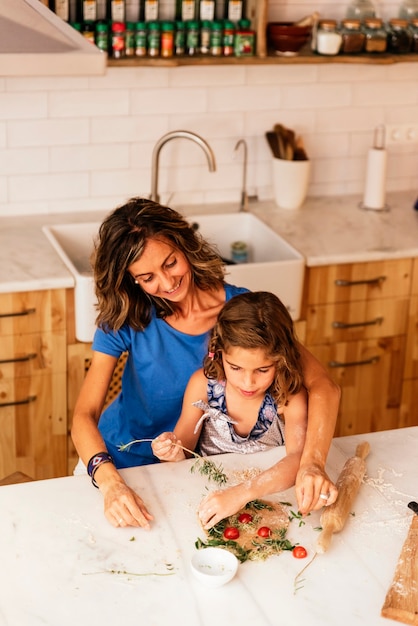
(356, 323)
(409, 407)
(33, 423)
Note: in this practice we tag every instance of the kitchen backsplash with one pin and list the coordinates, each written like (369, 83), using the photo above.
(74, 144)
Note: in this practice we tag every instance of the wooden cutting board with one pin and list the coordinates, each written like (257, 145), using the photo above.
(401, 603)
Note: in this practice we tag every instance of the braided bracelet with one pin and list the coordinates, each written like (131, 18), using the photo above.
(95, 462)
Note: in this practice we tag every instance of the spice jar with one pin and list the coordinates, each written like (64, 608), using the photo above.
(228, 38)
(180, 38)
(352, 37)
(192, 37)
(167, 39)
(205, 37)
(244, 42)
(376, 39)
(153, 39)
(130, 39)
(399, 37)
(216, 39)
(140, 39)
(328, 39)
(239, 252)
(118, 40)
(102, 35)
(413, 27)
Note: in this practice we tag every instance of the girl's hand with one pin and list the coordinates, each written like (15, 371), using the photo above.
(166, 447)
(123, 507)
(314, 489)
(220, 504)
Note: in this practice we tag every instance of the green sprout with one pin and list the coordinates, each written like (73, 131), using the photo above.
(202, 465)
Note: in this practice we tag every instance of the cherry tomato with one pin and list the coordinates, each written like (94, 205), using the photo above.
(299, 552)
(245, 518)
(231, 532)
(264, 531)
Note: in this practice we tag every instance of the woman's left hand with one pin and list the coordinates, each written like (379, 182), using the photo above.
(220, 504)
(314, 489)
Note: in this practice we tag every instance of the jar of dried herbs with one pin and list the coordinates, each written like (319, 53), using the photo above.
(399, 36)
(352, 37)
(376, 39)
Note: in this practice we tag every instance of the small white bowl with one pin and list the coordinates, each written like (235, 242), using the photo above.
(214, 567)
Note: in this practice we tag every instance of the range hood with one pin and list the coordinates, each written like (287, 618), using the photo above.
(36, 42)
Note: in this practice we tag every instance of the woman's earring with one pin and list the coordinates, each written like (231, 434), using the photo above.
(136, 282)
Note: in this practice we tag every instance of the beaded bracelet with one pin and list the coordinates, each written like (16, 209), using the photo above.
(95, 462)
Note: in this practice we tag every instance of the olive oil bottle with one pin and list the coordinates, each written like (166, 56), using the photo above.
(234, 10)
(187, 10)
(116, 10)
(148, 10)
(206, 10)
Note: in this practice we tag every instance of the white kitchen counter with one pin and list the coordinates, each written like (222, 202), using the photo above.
(63, 564)
(325, 230)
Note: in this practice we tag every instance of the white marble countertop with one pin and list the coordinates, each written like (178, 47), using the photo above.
(325, 230)
(64, 564)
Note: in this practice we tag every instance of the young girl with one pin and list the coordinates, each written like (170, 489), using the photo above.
(248, 397)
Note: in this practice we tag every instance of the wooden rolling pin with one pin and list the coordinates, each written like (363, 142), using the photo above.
(401, 603)
(334, 516)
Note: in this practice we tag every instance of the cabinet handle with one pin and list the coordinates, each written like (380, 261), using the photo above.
(19, 313)
(19, 359)
(374, 322)
(350, 283)
(373, 359)
(18, 402)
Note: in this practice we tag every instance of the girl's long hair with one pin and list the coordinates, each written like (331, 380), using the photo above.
(121, 241)
(258, 320)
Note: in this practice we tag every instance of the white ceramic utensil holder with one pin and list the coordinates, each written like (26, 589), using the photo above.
(290, 182)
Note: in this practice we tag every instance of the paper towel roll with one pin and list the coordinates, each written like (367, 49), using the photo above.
(375, 188)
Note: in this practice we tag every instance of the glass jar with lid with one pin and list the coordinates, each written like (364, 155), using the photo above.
(327, 39)
(361, 9)
(413, 27)
(376, 38)
(399, 36)
(352, 36)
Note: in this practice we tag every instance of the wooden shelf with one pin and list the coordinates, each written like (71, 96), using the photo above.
(304, 57)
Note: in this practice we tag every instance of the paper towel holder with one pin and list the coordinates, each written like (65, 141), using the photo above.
(377, 150)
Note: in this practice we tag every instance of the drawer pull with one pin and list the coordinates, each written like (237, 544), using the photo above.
(378, 320)
(19, 313)
(350, 283)
(18, 402)
(373, 359)
(19, 359)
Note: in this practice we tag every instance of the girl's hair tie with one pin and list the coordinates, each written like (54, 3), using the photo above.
(211, 355)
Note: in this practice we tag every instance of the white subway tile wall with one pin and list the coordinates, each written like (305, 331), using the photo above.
(76, 144)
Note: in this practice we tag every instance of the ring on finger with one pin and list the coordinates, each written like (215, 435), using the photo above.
(120, 520)
(324, 496)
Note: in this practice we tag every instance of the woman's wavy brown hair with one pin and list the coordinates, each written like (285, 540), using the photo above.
(258, 320)
(121, 241)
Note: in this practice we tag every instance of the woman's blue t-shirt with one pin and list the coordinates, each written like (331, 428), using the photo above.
(159, 365)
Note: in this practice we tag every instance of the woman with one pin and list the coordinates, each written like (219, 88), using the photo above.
(160, 288)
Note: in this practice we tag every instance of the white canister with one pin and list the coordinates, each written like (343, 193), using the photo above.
(328, 39)
(290, 182)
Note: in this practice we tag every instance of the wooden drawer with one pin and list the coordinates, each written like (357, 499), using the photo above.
(37, 353)
(371, 387)
(411, 359)
(31, 312)
(353, 321)
(359, 281)
(414, 287)
(33, 428)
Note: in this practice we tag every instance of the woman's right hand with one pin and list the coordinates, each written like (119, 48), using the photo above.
(166, 447)
(124, 507)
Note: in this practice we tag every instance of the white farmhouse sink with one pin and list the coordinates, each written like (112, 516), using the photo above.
(273, 264)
